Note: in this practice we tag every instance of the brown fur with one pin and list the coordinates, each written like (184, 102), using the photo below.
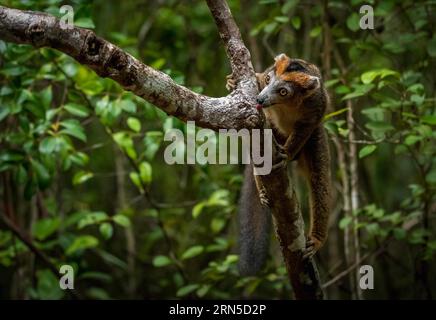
(298, 124)
(297, 127)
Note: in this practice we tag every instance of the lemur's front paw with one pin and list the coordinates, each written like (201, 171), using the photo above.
(231, 83)
(282, 158)
(264, 201)
(282, 153)
(312, 246)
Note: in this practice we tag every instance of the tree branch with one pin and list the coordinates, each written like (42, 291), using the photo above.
(107, 60)
(38, 253)
(289, 226)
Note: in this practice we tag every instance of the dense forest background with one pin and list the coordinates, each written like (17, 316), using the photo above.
(83, 177)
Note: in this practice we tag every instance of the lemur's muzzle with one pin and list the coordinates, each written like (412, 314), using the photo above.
(260, 102)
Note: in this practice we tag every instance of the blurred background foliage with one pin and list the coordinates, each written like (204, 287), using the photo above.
(83, 181)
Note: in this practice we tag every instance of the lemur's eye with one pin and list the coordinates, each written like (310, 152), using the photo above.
(267, 79)
(283, 92)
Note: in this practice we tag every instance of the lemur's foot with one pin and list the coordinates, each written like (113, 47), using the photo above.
(312, 246)
(264, 201)
(231, 83)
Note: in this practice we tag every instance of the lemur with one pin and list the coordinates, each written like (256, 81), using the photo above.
(294, 100)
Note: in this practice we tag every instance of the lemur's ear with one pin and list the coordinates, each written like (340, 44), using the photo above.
(313, 83)
(281, 62)
(281, 56)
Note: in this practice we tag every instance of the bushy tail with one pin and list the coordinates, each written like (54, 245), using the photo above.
(254, 226)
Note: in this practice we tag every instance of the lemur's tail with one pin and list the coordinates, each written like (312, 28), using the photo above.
(254, 226)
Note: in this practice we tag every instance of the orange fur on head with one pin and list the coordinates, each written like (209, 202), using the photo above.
(281, 63)
(304, 80)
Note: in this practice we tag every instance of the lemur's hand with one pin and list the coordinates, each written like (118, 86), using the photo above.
(282, 157)
(312, 246)
(264, 198)
(231, 83)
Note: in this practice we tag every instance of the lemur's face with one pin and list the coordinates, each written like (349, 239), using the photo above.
(288, 82)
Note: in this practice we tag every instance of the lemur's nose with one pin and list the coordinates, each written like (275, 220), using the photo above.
(260, 102)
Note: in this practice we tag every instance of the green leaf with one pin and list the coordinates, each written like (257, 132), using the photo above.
(187, 290)
(431, 177)
(161, 261)
(198, 208)
(106, 230)
(42, 174)
(121, 220)
(11, 156)
(134, 124)
(287, 7)
(92, 218)
(375, 113)
(95, 275)
(192, 252)
(84, 23)
(219, 198)
(412, 139)
(46, 97)
(91, 86)
(98, 294)
(77, 109)
(73, 128)
(79, 158)
(430, 119)
(82, 243)
(345, 222)
(417, 99)
(152, 142)
(203, 290)
(399, 233)
(352, 95)
(145, 172)
(43, 228)
(366, 150)
(379, 126)
(353, 22)
(359, 90)
(342, 89)
(125, 141)
(128, 105)
(282, 19)
(48, 145)
(369, 76)
(81, 177)
(4, 111)
(136, 180)
(217, 224)
(296, 22)
(315, 32)
(47, 287)
(431, 47)
(270, 27)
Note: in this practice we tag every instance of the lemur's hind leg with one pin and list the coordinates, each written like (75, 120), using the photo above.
(314, 162)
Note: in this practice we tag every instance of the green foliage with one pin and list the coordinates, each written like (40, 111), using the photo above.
(85, 158)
